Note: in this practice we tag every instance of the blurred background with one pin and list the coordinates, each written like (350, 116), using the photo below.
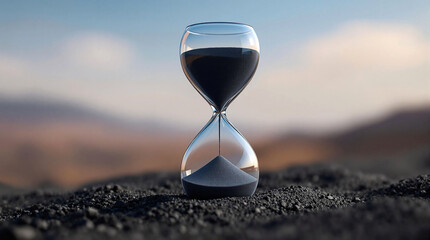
(91, 90)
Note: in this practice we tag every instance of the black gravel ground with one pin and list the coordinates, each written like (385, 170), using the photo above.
(298, 203)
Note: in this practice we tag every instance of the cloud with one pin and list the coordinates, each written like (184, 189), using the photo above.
(357, 70)
(99, 52)
(11, 67)
(367, 45)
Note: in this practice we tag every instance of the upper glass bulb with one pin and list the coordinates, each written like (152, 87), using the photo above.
(219, 59)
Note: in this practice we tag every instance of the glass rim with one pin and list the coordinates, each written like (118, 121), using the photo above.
(189, 28)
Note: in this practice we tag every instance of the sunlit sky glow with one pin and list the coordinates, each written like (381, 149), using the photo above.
(323, 64)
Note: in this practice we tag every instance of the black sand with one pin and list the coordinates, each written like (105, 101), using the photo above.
(220, 73)
(219, 178)
(298, 203)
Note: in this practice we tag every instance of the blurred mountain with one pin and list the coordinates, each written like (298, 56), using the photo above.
(399, 133)
(397, 146)
(52, 143)
(36, 110)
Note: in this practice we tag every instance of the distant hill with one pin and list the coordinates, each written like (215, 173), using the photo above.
(49, 111)
(37, 110)
(396, 134)
(409, 121)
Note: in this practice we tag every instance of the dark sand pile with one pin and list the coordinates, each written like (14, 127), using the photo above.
(219, 178)
(298, 203)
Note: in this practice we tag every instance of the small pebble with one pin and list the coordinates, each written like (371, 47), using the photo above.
(182, 229)
(92, 212)
(24, 233)
(101, 228)
(56, 223)
(218, 212)
(119, 226)
(283, 204)
(89, 224)
(42, 224)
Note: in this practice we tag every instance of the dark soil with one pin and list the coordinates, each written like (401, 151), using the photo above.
(298, 203)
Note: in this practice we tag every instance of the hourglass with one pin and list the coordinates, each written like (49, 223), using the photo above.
(219, 59)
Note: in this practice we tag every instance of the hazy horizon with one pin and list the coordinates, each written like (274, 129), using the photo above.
(166, 125)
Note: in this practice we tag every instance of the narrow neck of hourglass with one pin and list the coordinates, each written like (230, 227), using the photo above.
(218, 115)
(216, 111)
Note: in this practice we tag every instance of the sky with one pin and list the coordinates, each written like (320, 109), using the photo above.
(323, 64)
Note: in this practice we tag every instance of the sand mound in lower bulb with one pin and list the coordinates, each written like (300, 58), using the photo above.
(219, 178)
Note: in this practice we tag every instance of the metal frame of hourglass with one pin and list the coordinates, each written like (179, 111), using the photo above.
(219, 59)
